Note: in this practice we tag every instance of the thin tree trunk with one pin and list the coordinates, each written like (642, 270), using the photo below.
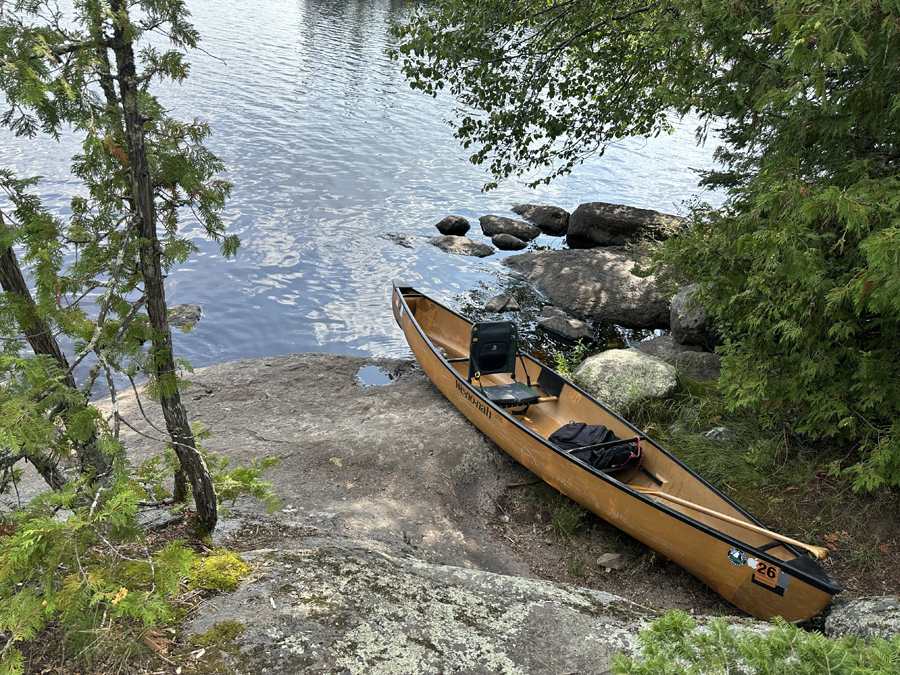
(163, 360)
(42, 341)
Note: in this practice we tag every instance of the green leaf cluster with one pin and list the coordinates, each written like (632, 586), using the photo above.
(801, 268)
(674, 645)
(541, 85)
(58, 69)
(230, 483)
(77, 556)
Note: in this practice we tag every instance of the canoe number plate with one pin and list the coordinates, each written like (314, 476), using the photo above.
(765, 574)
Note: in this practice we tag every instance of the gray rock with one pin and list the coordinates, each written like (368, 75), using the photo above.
(491, 225)
(555, 321)
(501, 303)
(184, 315)
(384, 565)
(700, 366)
(691, 360)
(403, 239)
(865, 618)
(612, 561)
(462, 246)
(456, 226)
(353, 607)
(689, 321)
(621, 377)
(602, 224)
(507, 242)
(722, 435)
(342, 446)
(157, 519)
(595, 284)
(551, 220)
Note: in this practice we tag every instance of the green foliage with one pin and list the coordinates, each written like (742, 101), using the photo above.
(567, 363)
(801, 267)
(89, 284)
(230, 483)
(673, 645)
(542, 85)
(90, 570)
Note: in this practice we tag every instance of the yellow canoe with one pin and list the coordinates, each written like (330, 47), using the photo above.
(665, 505)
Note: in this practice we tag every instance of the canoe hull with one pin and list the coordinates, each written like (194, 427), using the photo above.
(726, 564)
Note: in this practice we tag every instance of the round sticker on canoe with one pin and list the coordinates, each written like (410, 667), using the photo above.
(736, 557)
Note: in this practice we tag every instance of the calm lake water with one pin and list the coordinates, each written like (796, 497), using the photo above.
(332, 156)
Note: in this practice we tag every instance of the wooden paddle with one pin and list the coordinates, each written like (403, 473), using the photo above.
(819, 551)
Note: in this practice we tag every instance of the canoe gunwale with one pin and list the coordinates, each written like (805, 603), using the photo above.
(815, 576)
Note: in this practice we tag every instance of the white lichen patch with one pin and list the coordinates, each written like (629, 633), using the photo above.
(381, 615)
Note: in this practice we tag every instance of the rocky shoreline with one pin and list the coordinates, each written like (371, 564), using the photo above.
(390, 553)
(593, 281)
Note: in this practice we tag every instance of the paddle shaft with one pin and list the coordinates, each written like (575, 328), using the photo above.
(819, 551)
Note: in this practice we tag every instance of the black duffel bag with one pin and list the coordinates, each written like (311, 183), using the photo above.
(596, 445)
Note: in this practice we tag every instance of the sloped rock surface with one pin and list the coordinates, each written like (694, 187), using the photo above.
(596, 284)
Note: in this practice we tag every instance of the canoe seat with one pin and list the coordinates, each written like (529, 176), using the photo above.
(493, 349)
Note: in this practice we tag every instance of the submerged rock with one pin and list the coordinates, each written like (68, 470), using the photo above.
(501, 303)
(184, 315)
(462, 246)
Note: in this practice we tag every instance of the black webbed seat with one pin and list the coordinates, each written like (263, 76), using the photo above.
(493, 349)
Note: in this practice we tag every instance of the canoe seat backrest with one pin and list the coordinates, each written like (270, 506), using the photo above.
(493, 348)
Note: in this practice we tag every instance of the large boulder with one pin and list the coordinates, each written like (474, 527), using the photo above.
(689, 321)
(552, 220)
(602, 224)
(491, 225)
(595, 284)
(620, 377)
(462, 246)
(865, 618)
(692, 360)
(456, 226)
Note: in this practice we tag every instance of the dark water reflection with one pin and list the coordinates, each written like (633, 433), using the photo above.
(332, 157)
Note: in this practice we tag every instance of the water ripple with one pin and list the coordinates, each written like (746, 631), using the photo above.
(330, 151)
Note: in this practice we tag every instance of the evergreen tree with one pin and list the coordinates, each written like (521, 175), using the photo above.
(142, 171)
